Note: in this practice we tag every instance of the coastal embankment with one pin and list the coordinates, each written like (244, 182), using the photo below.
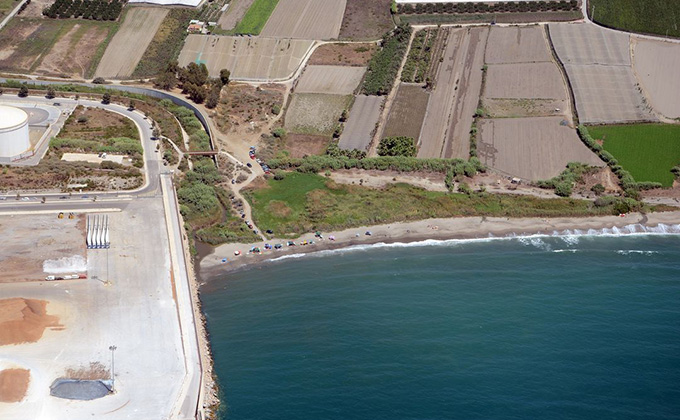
(223, 258)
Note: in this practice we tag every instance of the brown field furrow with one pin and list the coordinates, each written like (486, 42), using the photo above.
(305, 19)
(138, 29)
(598, 64)
(407, 112)
(657, 67)
(342, 80)
(526, 80)
(531, 148)
(452, 104)
(248, 58)
(516, 45)
(361, 123)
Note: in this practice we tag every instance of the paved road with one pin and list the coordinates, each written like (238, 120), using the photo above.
(152, 159)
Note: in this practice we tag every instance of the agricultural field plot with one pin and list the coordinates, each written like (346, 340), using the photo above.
(341, 80)
(452, 103)
(598, 64)
(361, 123)
(247, 58)
(6, 7)
(314, 113)
(342, 55)
(407, 112)
(647, 151)
(301, 145)
(525, 80)
(366, 20)
(305, 19)
(656, 65)
(138, 29)
(646, 16)
(607, 94)
(63, 47)
(531, 148)
(585, 43)
(517, 45)
(237, 9)
(255, 17)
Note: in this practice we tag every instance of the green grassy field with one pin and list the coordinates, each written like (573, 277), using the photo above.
(256, 16)
(306, 202)
(647, 16)
(647, 151)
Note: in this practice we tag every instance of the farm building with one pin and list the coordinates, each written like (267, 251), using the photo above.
(14, 138)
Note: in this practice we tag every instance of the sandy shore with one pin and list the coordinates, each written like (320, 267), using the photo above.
(454, 228)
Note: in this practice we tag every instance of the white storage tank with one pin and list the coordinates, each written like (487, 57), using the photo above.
(13, 131)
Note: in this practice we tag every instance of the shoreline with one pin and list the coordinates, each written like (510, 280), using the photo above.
(211, 265)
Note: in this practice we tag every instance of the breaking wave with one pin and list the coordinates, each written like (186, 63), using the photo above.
(65, 265)
(569, 236)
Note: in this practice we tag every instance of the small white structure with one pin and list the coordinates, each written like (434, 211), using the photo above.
(14, 138)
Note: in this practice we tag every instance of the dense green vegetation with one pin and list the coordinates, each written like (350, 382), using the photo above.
(86, 9)
(118, 145)
(563, 183)
(497, 7)
(397, 146)
(301, 203)
(647, 151)
(316, 164)
(384, 66)
(648, 16)
(167, 43)
(419, 56)
(256, 17)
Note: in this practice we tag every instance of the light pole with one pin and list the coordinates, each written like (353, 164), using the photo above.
(112, 348)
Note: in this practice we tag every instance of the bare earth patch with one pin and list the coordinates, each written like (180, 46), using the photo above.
(366, 20)
(656, 65)
(342, 55)
(237, 9)
(242, 104)
(255, 58)
(361, 124)
(138, 29)
(13, 384)
(341, 80)
(72, 54)
(531, 148)
(24, 320)
(301, 145)
(30, 240)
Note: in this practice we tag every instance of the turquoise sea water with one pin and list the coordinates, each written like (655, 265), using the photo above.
(533, 328)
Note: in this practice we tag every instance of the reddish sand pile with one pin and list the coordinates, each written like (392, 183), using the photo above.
(13, 384)
(24, 320)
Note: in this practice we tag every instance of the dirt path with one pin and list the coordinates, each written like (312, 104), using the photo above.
(380, 127)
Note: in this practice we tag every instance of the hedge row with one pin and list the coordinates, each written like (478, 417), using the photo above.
(499, 7)
(384, 66)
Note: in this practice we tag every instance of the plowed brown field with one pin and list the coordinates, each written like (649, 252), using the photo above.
(342, 80)
(531, 148)
(517, 45)
(407, 112)
(657, 66)
(526, 80)
(360, 126)
(305, 19)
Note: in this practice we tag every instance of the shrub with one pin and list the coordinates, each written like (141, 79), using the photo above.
(397, 146)
(279, 132)
(563, 189)
(598, 189)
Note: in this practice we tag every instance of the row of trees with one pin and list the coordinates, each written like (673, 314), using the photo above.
(87, 9)
(384, 66)
(499, 7)
(195, 82)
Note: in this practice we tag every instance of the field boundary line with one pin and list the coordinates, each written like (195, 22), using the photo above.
(563, 72)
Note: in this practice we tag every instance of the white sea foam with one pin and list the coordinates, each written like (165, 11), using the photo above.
(65, 265)
(635, 251)
(569, 236)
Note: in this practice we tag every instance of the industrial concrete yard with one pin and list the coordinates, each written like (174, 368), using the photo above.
(128, 301)
(36, 239)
